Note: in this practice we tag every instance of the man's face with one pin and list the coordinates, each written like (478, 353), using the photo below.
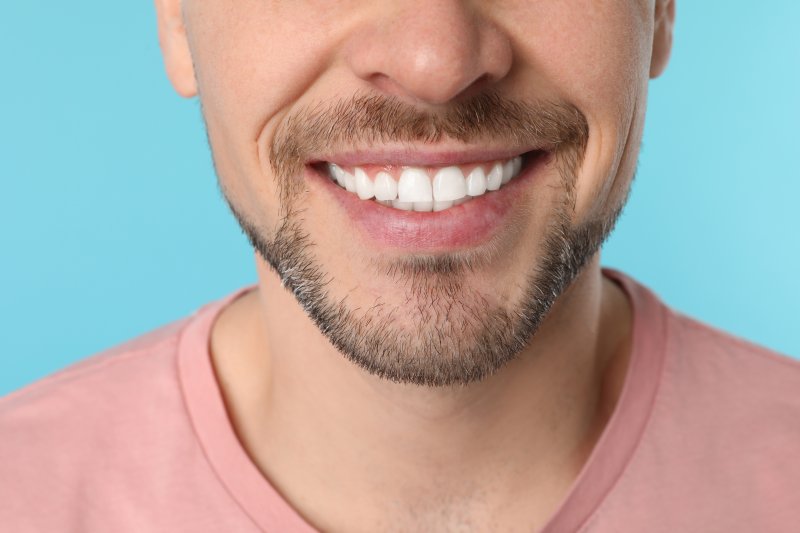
(506, 131)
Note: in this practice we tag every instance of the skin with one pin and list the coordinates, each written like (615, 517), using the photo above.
(351, 451)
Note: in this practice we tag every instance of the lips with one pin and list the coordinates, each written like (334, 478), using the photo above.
(427, 208)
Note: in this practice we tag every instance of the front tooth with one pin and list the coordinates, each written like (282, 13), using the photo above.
(405, 206)
(476, 182)
(423, 206)
(385, 186)
(495, 177)
(517, 164)
(449, 184)
(508, 171)
(349, 182)
(414, 186)
(441, 206)
(364, 186)
(337, 173)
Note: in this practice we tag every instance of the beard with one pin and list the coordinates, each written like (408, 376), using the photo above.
(450, 333)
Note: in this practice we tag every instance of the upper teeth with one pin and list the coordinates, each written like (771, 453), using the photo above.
(416, 189)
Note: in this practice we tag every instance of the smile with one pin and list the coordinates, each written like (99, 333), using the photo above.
(425, 189)
(431, 203)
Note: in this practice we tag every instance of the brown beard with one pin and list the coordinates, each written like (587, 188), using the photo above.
(459, 337)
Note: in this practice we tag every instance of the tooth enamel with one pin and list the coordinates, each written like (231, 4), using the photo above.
(495, 177)
(416, 191)
(423, 206)
(337, 173)
(508, 171)
(476, 182)
(385, 186)
(414, 186)
(449, 184)
(349, 181)
(364, 186)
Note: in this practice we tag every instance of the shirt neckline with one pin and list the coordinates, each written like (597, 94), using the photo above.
(259, 499)
(625, 428)
(209, 417)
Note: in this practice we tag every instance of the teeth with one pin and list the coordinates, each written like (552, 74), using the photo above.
(414, 186)
(476, 182)
(349, 182)
(449, 184)
(405, 206)
(364, 186)
(423, 206)
(495, 177)
(416, 190)
(337, 173)
(517, 164)
(508, 171)
(385, 186)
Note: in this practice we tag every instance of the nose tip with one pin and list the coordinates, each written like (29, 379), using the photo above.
(431, 52)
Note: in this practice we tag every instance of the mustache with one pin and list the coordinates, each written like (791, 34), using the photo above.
(370, 119)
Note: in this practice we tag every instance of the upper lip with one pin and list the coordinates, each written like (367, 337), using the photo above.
(423, 156)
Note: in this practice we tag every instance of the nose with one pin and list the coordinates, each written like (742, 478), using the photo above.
(429, 51)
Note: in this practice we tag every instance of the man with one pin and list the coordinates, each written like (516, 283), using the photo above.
(432, 344)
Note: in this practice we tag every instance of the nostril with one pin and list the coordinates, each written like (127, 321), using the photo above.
(481, 80)
(450, 54)
(386, 84)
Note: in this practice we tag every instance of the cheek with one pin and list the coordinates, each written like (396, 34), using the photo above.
(596, 54)
(257, 60)
(252, 62)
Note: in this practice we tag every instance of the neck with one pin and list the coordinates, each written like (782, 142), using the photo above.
(336, 440)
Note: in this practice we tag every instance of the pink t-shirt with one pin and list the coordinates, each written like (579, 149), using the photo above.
(705, 438)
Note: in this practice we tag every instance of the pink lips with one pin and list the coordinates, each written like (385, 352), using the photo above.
(459, 227)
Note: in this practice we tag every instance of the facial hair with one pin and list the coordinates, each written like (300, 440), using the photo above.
(458, 336)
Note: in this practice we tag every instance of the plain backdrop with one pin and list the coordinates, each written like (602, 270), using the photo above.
(111, 222)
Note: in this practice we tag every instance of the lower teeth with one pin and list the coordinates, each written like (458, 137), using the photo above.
(422, 206)
(427, 206)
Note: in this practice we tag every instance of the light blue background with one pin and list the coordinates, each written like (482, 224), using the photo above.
(111, 223)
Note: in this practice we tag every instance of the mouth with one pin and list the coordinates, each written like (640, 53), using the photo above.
(424, 189)
(428, 203)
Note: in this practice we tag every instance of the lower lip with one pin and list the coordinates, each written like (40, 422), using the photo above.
(463, 226)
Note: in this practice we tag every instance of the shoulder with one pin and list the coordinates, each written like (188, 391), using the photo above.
(87, 428)
(736, 403)
(721, 443)
(721, 370)
(107, 444)
(103, 376)
(727, 393)
(80, 400)
(719, 451)
(713, 367)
